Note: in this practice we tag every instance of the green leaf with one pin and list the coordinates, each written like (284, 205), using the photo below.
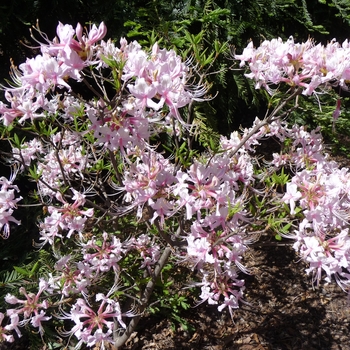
(34, 269)
(285, 228)
(22, 271)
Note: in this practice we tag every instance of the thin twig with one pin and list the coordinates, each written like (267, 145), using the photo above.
(121, 340)
(115, 167)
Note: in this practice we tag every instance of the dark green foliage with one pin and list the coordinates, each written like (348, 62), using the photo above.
(10, 280)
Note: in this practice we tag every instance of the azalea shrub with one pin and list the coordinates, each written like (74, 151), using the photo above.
(132, 189)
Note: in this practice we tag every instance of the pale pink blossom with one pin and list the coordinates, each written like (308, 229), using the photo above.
(291, 196)
(4, 331)
(31, 308)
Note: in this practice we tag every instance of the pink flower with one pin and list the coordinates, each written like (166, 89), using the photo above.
(69, 216)
(103, 257)
(4, 336)
(65, 33)
(291, 196)
(43, 72)
(162, 209)
(95, 34)
(37, 319)
(199, 251)
(306, 65)
(30, 308)
(8, 202)
(90, 325)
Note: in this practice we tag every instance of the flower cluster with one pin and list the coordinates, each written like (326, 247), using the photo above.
(92, 327)
(8, 203)
(62, 58)
(104, 256)
(68, 218)
(322, 237)
(304, 65)
(318, 193)
(31, 308)
(208, 195)
(154, 80)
